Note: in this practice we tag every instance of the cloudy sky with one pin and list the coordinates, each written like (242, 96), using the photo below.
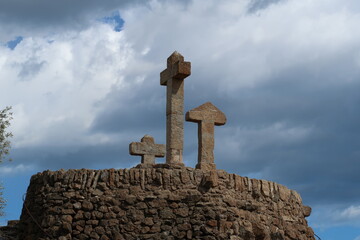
(83, 80)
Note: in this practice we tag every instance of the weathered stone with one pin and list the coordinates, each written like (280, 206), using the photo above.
(66, 227)
(92, 222)
(148, 221)
(206, 115)
(99, 230)
(173, 78)
(104, 237)
(86, 205)
(94, 236)
(67, 211)
(79, 215)
(147, 149)
(307, 211)
(166, 213)
(77, 205)
(212, 223)
(175, 203)
(183, 212)
(103, 209)
(208, 181)
(67, 218)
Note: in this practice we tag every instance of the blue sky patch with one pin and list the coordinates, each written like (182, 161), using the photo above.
(339, 232)
(13, 43)
(114, 20)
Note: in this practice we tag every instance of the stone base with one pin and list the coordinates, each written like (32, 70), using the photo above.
(206, 166)
(160, 203)
(161, 165)
(144, 165)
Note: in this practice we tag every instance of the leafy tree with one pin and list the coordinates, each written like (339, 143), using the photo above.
(5, 144)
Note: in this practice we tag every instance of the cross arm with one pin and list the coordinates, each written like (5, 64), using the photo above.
(147, 146)
(206, 112)
(177, 70)
(137, 149)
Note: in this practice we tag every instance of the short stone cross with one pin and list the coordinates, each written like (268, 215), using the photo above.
(173, 78)
(147, 149)
(206, 115)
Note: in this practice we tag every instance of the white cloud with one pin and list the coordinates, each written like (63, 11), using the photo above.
(54, 103)
(352, 212)
(18, 169)
(241, 49)
(335, 215)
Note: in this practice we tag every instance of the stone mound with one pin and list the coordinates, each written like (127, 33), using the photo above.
(160, 202)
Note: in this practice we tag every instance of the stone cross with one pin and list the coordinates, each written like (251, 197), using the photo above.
(147, 149)
(206, 115)
(173, 78)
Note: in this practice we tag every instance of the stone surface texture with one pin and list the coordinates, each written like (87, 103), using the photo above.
(160, 203)
(173, 78)
(147, 149)
(206, 115)
(9, 232)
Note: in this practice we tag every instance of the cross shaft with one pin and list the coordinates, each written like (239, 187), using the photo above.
(173, 78)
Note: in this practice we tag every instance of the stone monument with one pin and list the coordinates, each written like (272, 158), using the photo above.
(207, 116)
(173, 78)
(163, 201)
(147, 149)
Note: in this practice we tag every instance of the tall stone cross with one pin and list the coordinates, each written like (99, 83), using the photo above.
(206, 115)
(173, 78)
(147, 149)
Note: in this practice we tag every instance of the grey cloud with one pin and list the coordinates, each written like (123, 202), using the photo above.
(54, 13)
(30, 68)
(256, 5)
(138, 106)
(112, 155)
(21, 17)
(120, 120)
(328, 157)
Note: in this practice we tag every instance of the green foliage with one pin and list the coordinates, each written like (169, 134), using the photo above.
(5, 144)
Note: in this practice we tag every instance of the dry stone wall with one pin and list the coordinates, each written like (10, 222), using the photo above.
(160, 203)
